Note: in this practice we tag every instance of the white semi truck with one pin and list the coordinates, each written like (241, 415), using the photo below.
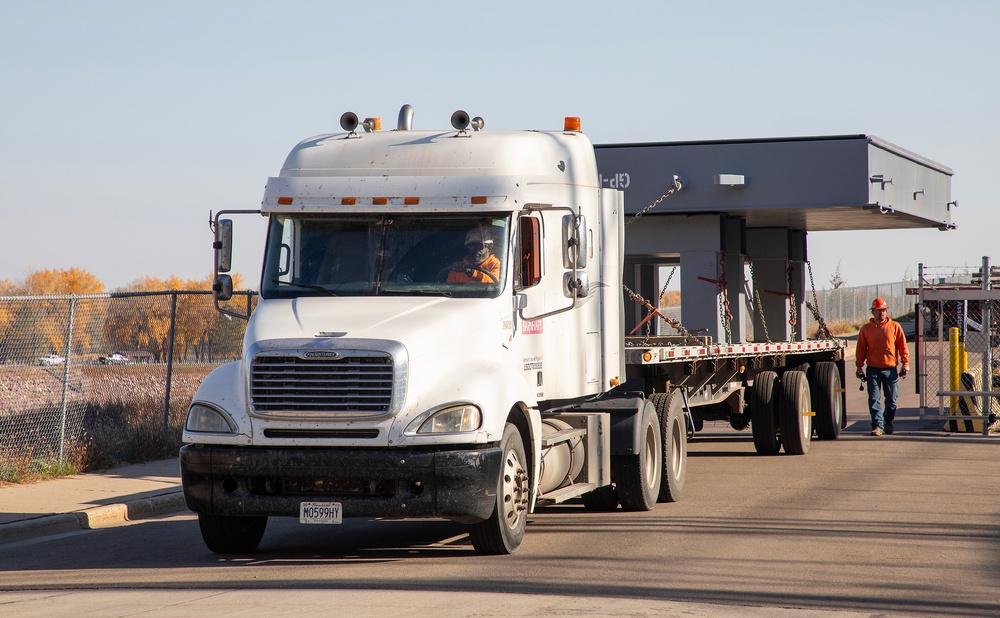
(440, 333)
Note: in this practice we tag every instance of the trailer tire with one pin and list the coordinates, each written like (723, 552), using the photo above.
(503, 532)
(639, 476)
(670, 413)
(794, 413)
(826, 388)
(230, 534)
(764, 413)
(601, 499)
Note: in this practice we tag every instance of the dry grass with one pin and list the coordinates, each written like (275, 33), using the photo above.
(836, 328)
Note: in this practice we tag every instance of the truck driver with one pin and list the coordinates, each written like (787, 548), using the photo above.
(479, 264)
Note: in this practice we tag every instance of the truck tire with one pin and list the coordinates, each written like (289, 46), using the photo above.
(639, 476)
(764, 413)
(794, 413)
(228, 534)
(826, 388)
(503, 532)
(601, 499)
(670, 413)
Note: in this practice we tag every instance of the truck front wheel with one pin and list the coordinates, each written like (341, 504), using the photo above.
(503, 532)
(226, 534)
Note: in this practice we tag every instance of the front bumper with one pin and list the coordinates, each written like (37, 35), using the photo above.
(400, 483)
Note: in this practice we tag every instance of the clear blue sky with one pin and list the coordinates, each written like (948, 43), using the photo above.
(122, 124)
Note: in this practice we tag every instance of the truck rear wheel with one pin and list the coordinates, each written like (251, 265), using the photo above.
(670, 413)
(764, 413)
(503, 532)
(826, 391)
(228, 534)
(794, 413)
(639, 476)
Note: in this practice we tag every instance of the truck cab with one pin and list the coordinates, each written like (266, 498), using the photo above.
(434, 308)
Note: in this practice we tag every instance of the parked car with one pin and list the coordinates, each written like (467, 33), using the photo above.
(51, 359)
(114, 359)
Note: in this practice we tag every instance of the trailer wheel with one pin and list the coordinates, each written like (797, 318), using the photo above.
(601, 499)
(639, 476)
(228, 534)
(670, 413)
(794, 412)
(764, 413)
(503, 532)
(826, 391)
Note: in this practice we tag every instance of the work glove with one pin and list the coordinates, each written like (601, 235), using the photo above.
(860, 374)
(903, 372)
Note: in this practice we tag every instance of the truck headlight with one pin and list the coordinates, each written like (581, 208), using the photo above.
(205, 419)
(453, 419)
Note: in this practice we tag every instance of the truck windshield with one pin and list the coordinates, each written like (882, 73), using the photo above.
(368, 255)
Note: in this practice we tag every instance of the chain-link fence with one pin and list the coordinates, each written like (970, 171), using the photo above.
(959, 351)
(95, 380)
(854, 304)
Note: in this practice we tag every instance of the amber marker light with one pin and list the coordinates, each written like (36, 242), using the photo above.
(646, 356)
(380, 201)
(411, 201)
(478, 199)
(572, 123)
(285, 201)
(348, 201)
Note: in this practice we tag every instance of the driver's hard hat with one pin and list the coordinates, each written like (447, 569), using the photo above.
(477, 235)
(879, 303)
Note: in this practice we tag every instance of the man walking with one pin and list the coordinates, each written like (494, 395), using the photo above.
(882, 346)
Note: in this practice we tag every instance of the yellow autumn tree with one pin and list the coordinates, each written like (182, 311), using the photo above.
(51, 317)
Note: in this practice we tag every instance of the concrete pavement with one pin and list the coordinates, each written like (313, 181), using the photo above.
(92, 500)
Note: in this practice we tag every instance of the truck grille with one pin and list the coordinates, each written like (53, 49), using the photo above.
(348, 384)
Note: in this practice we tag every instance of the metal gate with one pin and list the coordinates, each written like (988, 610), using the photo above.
(958, 351)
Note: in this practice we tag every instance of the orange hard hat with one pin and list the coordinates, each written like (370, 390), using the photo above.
(879, 303)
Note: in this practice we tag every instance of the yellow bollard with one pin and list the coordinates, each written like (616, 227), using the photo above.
(956, 355)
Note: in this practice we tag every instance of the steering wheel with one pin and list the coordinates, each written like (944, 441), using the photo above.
(468, 269)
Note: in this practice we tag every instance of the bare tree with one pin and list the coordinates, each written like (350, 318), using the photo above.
(837, 280)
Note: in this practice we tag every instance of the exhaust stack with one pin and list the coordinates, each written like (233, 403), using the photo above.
(405, 122)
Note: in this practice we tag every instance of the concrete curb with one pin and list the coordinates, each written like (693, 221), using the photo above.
(107, 516)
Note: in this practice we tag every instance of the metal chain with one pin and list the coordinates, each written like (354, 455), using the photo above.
(674, 188)
(824, 332)
(724, 313)
(673, 323)
(792, 313)
(756, 300)
(663, 290)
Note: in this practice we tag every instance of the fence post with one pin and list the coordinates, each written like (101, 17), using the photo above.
(65, 381)
(987, 329)
(170, 359)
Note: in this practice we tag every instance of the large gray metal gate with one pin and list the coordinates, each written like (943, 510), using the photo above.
(958, 351)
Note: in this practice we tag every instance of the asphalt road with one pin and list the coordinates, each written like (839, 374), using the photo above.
(907, 525)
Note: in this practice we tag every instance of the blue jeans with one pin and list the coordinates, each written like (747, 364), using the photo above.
(882, 381)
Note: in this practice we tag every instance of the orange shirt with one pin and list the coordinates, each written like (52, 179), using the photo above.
(882, 346)
(490, 265)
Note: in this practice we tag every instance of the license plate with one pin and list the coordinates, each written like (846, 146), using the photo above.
(320, 513)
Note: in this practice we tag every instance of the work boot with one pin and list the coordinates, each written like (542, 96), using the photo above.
(876, 432)
(888, 429)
